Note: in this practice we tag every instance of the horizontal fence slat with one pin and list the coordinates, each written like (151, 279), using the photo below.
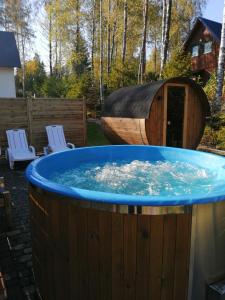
(34, 114)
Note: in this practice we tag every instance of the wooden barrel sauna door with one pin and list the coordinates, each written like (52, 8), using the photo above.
(175, 115)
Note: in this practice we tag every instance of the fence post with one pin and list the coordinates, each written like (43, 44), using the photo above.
(29, 120)
(85, 122)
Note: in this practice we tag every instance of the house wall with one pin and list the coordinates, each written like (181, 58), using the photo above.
(204, 62)
(7, 83)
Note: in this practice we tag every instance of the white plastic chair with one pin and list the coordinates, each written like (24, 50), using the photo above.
(56, 140)
(18, 149)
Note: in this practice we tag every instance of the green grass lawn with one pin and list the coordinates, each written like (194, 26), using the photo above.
(95, 136)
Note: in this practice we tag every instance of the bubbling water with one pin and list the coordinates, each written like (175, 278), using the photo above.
(160, 178)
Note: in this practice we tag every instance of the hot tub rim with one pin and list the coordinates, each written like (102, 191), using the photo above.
(36, 179)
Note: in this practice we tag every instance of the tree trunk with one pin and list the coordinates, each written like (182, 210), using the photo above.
(142, 67)
(166, 20)
(101, 57)
(113, 41)
(124, 32)
(155, 54)
(108, 40)
(50, 44)
(93, 38)
(114, 34)
(60, 55)
(167, 29)
(77, 26)
(23, 64)
(56, 55)
(220, 69)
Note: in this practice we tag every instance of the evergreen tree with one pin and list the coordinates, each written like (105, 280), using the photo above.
(35, 77)
(179, 64)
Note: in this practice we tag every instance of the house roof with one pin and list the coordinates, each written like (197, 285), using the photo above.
(9, 54)
(213, 27)
(136, 101)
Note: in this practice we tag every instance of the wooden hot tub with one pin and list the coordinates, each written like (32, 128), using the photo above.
(93, 245)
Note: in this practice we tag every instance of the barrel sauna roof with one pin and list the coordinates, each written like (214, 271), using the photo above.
(135, 101)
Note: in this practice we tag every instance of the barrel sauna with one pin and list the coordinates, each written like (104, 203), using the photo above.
(167, 112)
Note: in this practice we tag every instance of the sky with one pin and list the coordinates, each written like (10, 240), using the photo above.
(212, 11)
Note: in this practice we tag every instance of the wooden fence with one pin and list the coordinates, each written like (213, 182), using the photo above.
(34, 114)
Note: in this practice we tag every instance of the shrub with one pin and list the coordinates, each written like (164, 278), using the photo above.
(179, 64)
(214, 135)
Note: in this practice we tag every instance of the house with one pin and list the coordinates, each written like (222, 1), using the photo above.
(9, 59)
(203, 43)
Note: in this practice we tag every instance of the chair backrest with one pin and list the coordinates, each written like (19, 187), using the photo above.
(17, 139)
(56, 136)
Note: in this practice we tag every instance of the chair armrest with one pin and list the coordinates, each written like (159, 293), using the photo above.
(70, 145)
(47, 150)
(32, 149)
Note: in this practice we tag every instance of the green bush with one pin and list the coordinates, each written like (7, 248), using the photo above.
(221, 138)
(178, 65)
(214, 135)
(54, 87)
(210, 88)
(210, 137)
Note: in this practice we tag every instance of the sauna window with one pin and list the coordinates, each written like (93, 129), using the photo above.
(207, 47)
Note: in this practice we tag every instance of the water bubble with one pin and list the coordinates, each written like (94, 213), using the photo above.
(139, 178)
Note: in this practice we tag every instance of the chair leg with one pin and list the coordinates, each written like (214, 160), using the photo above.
(11, 164)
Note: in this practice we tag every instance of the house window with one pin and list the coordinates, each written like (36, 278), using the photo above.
(195, 51)
(208, 47)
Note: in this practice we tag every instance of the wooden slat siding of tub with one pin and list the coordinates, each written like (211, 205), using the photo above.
(156, 257)
(117, 257)
(90, 254)
(182, 252)
(130, 256)
(125, 130)
(42, 251)
(73, 252)
(143, 257)
(59, 239)
(82, 236)
(168, 264)
(105, 240)
(93, 255)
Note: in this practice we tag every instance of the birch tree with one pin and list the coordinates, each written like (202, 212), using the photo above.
(114, 33)
(93, 30)
(166, 20)
(50, 41)
(101, 54)
(142, 64)
(108, 39)
(220, 68)
(124, 47)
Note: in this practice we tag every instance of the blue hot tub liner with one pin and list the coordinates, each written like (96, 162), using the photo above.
(39, 173)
